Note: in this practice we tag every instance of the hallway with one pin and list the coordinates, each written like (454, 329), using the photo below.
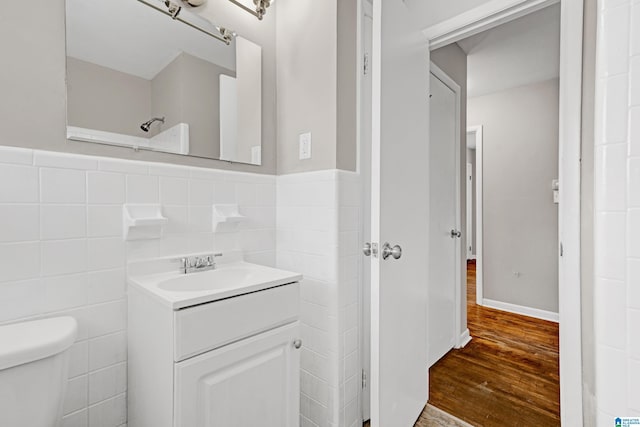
(507, 374)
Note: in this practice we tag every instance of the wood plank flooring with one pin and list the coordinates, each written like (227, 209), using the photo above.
(507, 375)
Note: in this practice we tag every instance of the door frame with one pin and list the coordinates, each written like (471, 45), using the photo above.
(469, 230)
(490, 15)
(477, 131)
(461, 337)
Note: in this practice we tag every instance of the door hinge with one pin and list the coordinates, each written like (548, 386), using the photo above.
(364, 379)
(561, 249)
(365, 66)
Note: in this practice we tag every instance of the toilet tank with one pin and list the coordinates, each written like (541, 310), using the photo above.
(33, 371)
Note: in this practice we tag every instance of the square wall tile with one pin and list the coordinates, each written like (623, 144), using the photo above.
(62, 186)
(634, 131)
(632, 334)
(178, 219)
(111, 412)
(20, 299)
(610, 313)
(634, 80)
(107, 383)
(63, 222)
(64, 292)
(632, 385)
(107, 318)
(611, 393)
(64, 257)
(76, 419)
(18, 184)
(142, 189)
(107, 350)
(76, 395)
(614, 45)
(635, 28)
(611, 185)
(200, 192)
(174, 191)
(107, 253)
(19, 261)
(78, 359)
(633, 283)
(615, 109)
(633, 188)
(106, 285)
(104, 220)
(633, 230)
(224, 192)
(19, 223)
(105, 188)
(610, 244)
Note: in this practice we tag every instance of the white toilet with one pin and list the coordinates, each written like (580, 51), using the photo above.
(34, 360)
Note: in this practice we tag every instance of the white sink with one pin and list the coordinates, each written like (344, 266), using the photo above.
(180, 290)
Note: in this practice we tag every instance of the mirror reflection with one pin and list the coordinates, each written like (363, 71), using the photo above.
(138, 78)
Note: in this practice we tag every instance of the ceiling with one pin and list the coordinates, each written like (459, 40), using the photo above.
(131, 37)
(518, 53)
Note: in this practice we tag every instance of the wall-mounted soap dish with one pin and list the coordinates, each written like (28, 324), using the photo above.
(226, 217)
(142, 222)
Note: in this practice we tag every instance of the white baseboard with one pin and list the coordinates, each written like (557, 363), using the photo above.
(520, 309)
(464, 339)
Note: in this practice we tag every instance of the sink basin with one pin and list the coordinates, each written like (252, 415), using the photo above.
(221, 278)
(180, 290)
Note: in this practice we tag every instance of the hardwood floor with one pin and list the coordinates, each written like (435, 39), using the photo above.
(507, 375)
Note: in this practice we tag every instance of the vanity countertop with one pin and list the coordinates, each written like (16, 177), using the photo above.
(178, 290)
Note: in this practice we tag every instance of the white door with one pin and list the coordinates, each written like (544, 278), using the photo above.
(443, 234)
(399, 208)
(469, 230)
(254, 382)
(365, 171)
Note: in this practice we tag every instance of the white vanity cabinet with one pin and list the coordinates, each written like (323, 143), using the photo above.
(227, 363)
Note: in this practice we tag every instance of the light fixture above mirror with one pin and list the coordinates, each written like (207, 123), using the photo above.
(260, 7)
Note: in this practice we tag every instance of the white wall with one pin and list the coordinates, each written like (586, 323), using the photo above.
(617, 212)
(520, 220)
(62, 251)
(318, 224)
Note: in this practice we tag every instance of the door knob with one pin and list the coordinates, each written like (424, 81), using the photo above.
(297, 344)
(456, 233)
(387, 251)
(366, 249)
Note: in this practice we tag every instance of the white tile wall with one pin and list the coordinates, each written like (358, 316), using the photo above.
(62, 252)
(318, 226)
(617, 225)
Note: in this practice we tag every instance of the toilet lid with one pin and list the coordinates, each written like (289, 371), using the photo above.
(26, 342)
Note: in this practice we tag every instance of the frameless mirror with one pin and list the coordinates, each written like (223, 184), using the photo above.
(151, 75)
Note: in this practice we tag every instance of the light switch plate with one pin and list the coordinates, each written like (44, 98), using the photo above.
(305, 145)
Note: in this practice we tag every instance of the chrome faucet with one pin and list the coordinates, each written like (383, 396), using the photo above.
(198, 263)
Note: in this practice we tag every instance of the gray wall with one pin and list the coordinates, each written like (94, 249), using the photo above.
(32, 82)
(453, 61)
(520, 159)
(108, 100)
(317, 79)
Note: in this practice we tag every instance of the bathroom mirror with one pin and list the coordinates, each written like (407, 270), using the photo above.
(153, 75)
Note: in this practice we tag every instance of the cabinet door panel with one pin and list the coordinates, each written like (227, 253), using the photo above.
(254, 382)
